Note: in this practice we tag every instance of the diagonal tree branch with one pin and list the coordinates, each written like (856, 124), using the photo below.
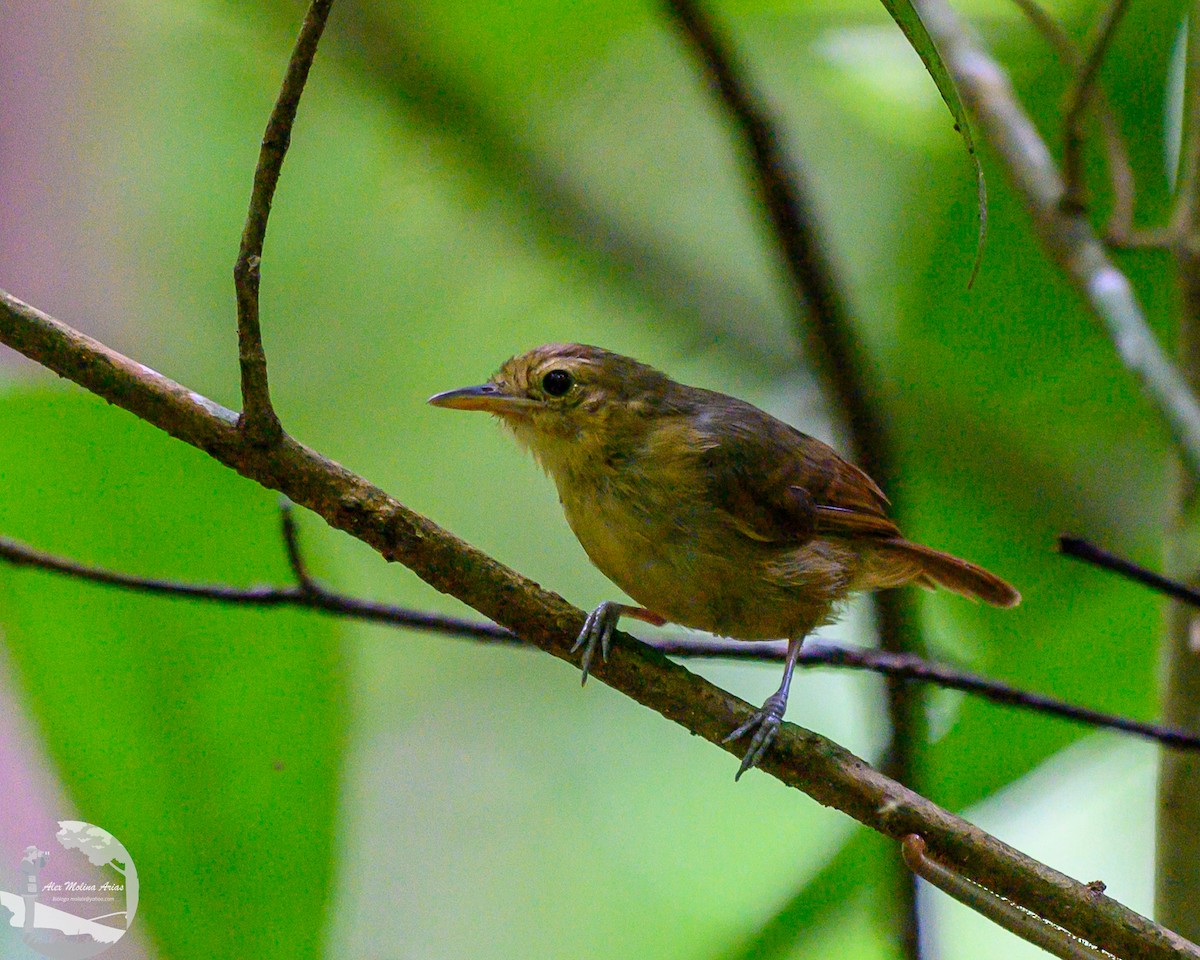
(1090, 553)
(258, 416)
(802, 759)
(1067, 237)
(823, 324)
(310, 594)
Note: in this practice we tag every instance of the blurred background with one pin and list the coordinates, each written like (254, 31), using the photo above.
(467, 181)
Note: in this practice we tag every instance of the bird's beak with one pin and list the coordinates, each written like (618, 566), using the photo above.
(488, 397)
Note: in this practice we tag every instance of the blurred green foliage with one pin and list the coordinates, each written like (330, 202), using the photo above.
(210, 741)
(466, 181)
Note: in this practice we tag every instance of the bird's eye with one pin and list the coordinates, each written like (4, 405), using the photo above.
(556, 383)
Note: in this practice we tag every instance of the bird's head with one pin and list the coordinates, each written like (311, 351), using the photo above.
(567, 400)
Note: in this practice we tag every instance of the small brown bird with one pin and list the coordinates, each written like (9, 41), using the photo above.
(707, 511)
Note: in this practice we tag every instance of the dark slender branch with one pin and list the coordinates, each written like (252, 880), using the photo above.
(1028, 926)
(899, 637)
(291, 544)
(1079, 98)
(258, 419)
(824, 325)
(308, 593)
(1099, 557)
(912, 667)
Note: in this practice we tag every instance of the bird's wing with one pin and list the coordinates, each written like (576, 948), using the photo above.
(848, 502)
(778, 485)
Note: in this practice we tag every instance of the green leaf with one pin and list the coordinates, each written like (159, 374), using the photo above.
(860, 865)
(208, 739)
(906, 17)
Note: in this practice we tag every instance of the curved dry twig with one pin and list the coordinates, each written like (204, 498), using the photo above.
(258, 416)
(1028, 926)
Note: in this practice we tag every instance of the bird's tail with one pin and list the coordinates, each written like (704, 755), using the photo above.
(902, 561)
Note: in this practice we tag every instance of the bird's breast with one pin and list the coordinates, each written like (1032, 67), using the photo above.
(629, 530)
(659, 541)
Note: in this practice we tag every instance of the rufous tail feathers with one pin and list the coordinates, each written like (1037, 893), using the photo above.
(953, 573)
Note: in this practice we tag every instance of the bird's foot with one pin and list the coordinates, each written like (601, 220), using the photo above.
(765, 724)
(597, 633)
(599, 626)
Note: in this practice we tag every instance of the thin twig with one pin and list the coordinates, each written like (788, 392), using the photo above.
(308, 593)
(291, 544)
(1119, 231)
(258, 419)
(1068, 238)
(1079, 98)
(1099, 557)
(800, 758)
(908, 666)
(824, 325)
(1024, 924)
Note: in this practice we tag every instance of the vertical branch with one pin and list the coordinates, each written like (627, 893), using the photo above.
(1186, 215)
(824, 325)
(902, 760)
(1177, 882)
(258, 420)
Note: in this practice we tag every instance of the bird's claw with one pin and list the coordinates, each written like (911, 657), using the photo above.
(597, 632)
(765, 723)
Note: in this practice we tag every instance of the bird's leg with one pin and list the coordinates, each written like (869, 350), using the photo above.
(599, 626)
(765, 722)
